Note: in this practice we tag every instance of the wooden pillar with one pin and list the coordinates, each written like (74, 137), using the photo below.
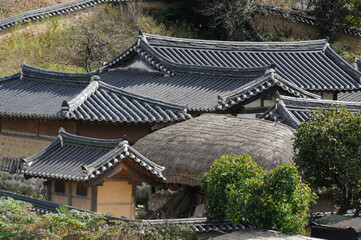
(48, 190)
(1, 124)
(77, 128)
(94, 198)
(37, 128)
(133, 201)
(70, 193)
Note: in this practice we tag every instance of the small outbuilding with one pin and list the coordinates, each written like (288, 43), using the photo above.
(92, 174)
(188, 149)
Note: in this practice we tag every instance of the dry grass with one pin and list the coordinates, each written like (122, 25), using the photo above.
(9, 8)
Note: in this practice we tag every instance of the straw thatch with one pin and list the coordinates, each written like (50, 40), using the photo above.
(188, 149)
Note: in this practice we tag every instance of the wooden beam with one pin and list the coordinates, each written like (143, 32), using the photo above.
(133, 201)
(104, 176)
(70, 193)
(94, 198)
(37, 128)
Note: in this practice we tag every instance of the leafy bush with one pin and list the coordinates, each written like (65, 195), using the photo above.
(327, 150)
(17, 222)
(238, 189)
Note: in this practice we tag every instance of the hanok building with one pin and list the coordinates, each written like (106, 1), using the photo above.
(292, 111)
(91, 174)
(233, 77)
(35, 103)
(188, 149)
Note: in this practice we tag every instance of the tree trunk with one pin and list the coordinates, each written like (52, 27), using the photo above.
(346, 200)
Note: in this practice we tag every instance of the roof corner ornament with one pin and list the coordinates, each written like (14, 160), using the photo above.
(325, 47)
(95, 78)
(27, 164)
(221, 100)
(327, 39)
(357, 64)
(65, 107)
(87, 170)
(271, 71)
(124, 141)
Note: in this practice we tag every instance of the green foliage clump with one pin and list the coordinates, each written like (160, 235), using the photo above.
(230, 15)
(17, 222)
(238, 189)
(327, 150)
(14, 217)
(332, 16)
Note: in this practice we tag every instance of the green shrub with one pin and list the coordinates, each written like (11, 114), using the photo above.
(238, 189)
(17, 222)
(327, 150)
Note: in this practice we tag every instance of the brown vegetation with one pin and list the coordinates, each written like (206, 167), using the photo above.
(9, 8)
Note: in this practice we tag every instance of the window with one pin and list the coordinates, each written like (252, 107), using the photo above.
(81, 190)
(59, 186)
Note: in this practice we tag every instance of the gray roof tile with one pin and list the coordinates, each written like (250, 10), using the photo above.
(311, 65)
(200, 91)
(77, 158)
(38, 93)
(292, 111)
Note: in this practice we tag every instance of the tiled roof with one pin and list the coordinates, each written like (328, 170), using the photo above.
(51, 11)
(311, 65)
(209, 92)
(201, 225)
(103, 102)
(77, 158)
(38, 93)
(38, 205)
(292, 111)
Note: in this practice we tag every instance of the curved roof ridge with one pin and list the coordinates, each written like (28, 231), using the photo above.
(340, 62)
(10, 77)
(259, 85)
(71, 139)
(40, 74)
(139, 97)
(318, 101)
(164, 39)
(73, 103)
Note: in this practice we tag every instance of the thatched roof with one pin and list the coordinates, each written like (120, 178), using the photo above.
(188, 149)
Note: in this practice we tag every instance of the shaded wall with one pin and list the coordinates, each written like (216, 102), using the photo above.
(285, 27)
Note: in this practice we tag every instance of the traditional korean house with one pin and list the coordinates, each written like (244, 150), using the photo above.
(207, 90)
(35, 103)
(292, 111)
(193, 145)
(308, 65)
(91, 174)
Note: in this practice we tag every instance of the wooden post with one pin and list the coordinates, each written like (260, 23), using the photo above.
(1, 124)
(77, 128)
(37, 128)
(49, 190)
(133, 201)
(94, 198)
(70, 193)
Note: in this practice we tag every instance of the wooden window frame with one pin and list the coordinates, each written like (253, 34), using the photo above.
(81, 190)
(59, 186)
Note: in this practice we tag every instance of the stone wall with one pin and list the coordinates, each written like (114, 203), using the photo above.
(295, 29)
(17, 145)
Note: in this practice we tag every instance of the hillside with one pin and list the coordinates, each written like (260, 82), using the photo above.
(9, 8)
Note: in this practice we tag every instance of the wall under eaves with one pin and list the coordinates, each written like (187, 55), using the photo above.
(299, 30)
